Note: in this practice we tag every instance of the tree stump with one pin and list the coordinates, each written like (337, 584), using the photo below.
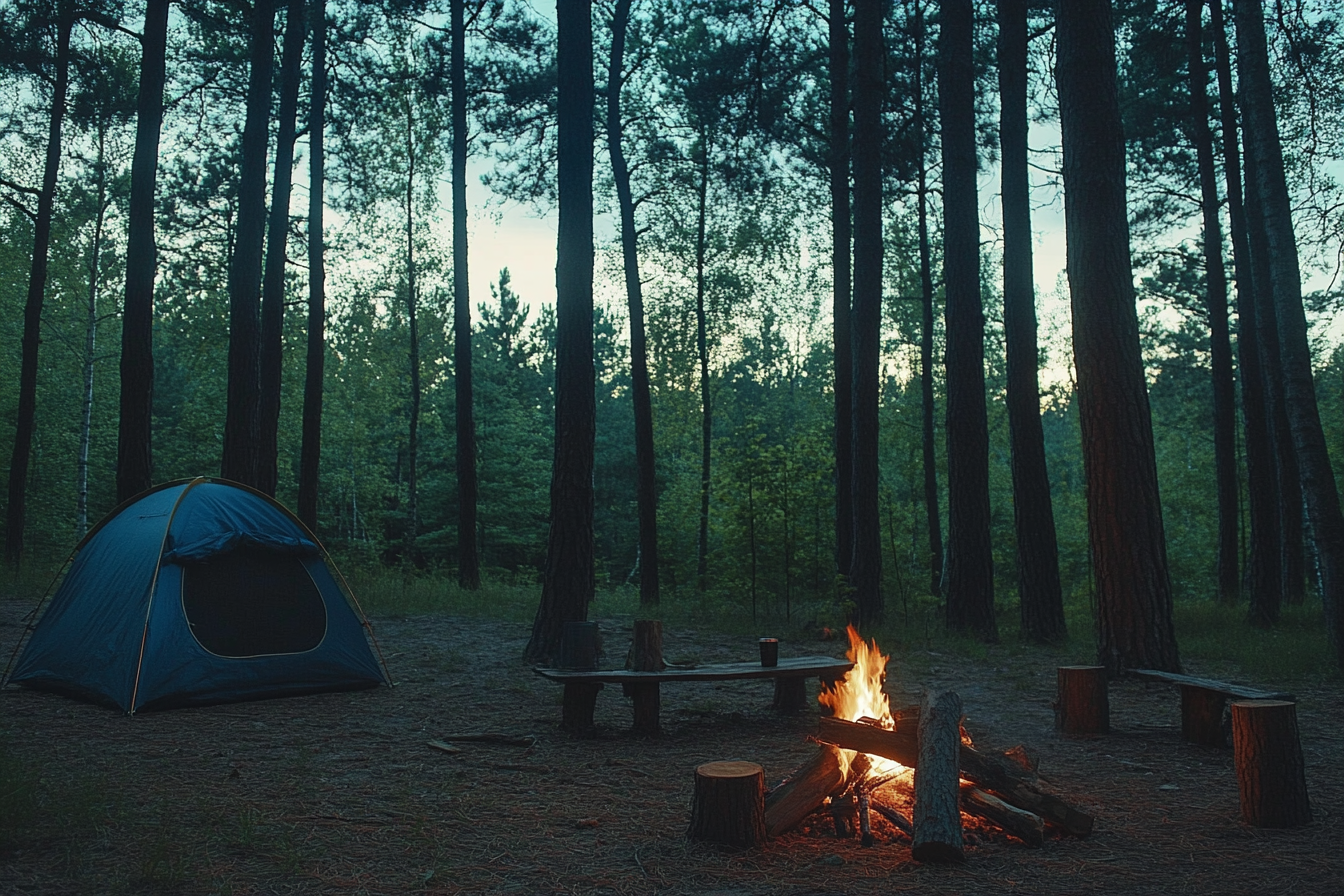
(1202, 716)
(576, 714)
(937, 812)
(646, 653)
(1270, 774)
(729, 804)
(1082, 705)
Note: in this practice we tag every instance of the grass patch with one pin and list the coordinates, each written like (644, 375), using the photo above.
(397, 593)
(1220, 637)
(35, 806)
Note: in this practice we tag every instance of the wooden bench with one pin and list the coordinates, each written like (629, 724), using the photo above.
(1203, 701)
(581, 687)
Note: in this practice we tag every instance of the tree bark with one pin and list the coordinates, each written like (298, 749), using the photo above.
(641, 397)
(241, 455)
(567, 585)
(468, 556)
(1039, 593)
(1220, 344)
(413, 359)
(928, 443)
(1082, 705)
(1125, 534)
(968, 574)
(37, 284)
(841, 285)
(1263, 563)
(134, 457)
(1319, 490)
(91, 338)
(1271, 778)
(277, 240)
(796, 798)
(702, 353)
(865, 569)
(937, 813)
(729, 804)
(310, 453)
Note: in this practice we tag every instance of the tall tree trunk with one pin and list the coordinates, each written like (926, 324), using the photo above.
(310, 453)
(645, 472)
(865, 567)
(567, 585)
(702, 350)
(968, 577)
(134, 458)
(413, 327)
(841, 233)
(1261, 581)
(1125, 534)
(1039, 593)
(1220, 343)
(273, 282)
(468, 558)
(90, 341)
(37, 284)
(1288, 484)
(1319, 490)
(242, 421)
(928, 442)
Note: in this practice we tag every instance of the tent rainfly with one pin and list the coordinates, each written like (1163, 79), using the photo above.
(195, 593)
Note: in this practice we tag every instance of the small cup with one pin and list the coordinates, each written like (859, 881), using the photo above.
(769, 651)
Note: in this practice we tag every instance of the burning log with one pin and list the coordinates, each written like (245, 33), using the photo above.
(729, 804)
(1007, 779)
(1025, 826)
(937, 818)
(796, 798)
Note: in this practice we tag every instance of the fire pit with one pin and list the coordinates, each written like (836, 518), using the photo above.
(915, 767)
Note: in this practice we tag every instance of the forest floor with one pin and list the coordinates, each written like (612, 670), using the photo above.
(341, 793)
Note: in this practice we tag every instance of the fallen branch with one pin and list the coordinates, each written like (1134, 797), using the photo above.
(504, 740)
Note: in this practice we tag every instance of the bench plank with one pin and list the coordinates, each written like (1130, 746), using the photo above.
(1231, 690)
(804, 666)
(788, 676)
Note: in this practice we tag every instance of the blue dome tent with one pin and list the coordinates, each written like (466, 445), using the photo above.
(195, 593)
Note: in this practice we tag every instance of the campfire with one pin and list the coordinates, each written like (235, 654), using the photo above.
(915, 767)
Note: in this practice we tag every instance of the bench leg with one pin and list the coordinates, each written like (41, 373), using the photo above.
(579, 702)
(648, 702)
(1202, 716)
(790, 694)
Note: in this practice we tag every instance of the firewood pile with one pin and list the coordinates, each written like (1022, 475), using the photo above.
(920, 772)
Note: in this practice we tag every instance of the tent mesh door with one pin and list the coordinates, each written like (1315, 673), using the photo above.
(250, 603)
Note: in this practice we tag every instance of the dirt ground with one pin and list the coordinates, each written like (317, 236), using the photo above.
(341, 794)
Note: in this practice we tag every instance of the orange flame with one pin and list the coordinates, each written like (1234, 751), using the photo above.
(860, 695)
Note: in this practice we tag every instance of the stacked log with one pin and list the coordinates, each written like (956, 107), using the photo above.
(937, 815)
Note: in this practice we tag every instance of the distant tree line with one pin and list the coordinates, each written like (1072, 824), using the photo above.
(804, 374)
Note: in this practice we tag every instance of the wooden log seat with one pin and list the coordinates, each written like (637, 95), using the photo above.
(644, 687)
(728, 805)
(1204, 703)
